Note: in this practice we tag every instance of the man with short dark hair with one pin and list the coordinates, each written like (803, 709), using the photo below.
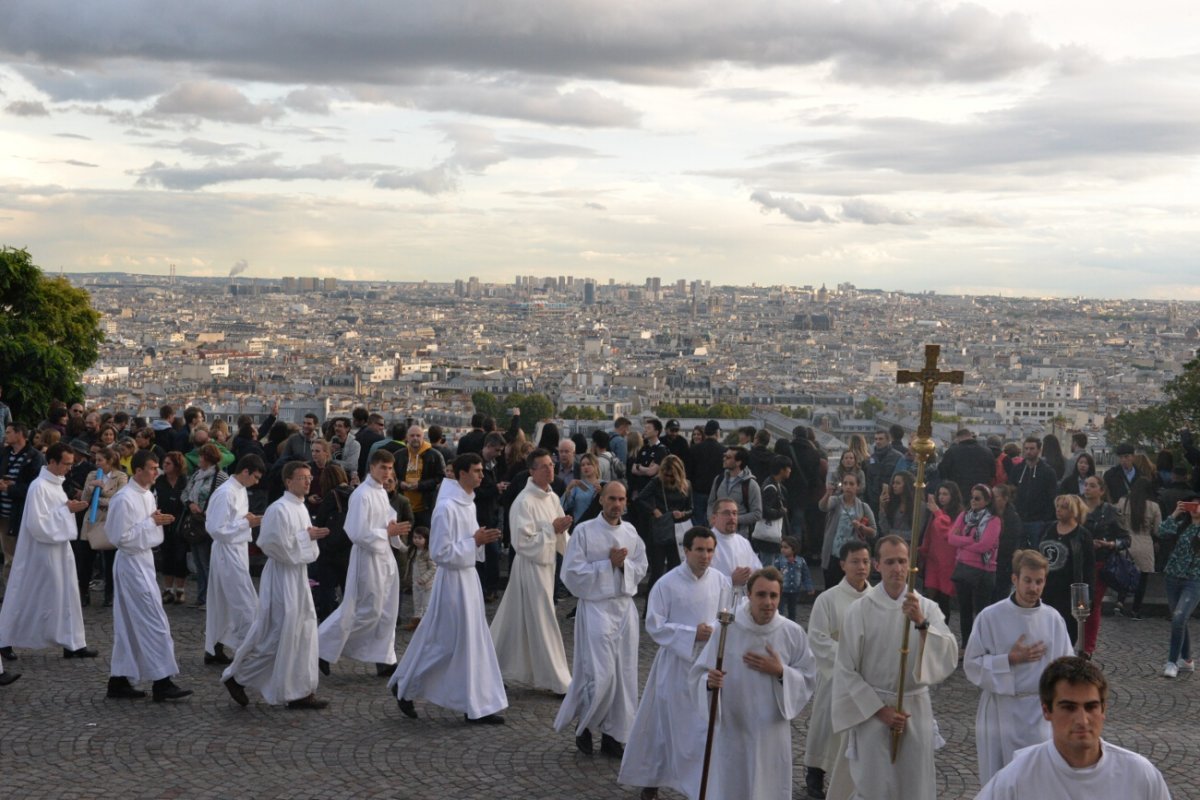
(1037, 486)
(451, 661)
(345, 449)
(371, 432)
(617, 441)
(967, 463)
(472, 440)
(298, 446)
(41, 606)
(737, 483)
(765, 681)
(676, 443)
(278, 656)
(879, 468)
(865, 683)
(680, 617)
(1119, 477)
(707, 465)
(142, 643)
(1076, 762)
(20, 465)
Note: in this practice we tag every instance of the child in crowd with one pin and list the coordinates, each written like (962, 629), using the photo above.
(423, 569)
(796, 577)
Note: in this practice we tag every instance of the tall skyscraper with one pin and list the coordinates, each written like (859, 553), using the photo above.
(589, 293)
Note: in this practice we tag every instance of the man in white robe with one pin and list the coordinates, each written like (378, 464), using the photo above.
(278, 657)
(765, 681)
(604, 563)
(231, 596)
(1011, 644)
(666, 744)
(363, 627)
(451, 661)
(42, 607)
(142, 644)
(735, 558)
(1076, 763)
(823, 749)
(865, 676)
(525, 630)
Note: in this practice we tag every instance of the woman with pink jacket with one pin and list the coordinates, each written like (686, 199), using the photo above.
(936, 551)
(976, 534)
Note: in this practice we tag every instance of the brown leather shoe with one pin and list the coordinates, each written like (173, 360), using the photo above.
(312, 703)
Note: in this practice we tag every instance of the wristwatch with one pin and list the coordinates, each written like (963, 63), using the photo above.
(922, 626)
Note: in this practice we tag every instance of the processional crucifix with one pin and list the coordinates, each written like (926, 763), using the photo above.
(922, 447)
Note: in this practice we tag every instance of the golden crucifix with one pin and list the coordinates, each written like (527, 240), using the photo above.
(922, 446)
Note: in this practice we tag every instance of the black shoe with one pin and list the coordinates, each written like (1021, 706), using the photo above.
(108, 602)
(237, 691)
(407, 708)
(490, 719)
(1136, 616)
(7, 654)
(323, 665)
(83, 652)
(122, 689)
(311, 703)
(611, 747)
(218, 657)
(8, 677)
(85, 599)
(165, 689)
(583, 742)
(649, 793)
(815, 783)
(384, 670)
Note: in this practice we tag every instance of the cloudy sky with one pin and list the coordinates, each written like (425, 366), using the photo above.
(1015, 146)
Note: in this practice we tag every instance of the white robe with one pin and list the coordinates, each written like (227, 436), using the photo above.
(41, 605)
(1010, 712)
(363, 627)
(231, 598)
(451, 661)
(734, 551)
(1039, 771)
(666, 744)
(525, 630)
(603, 690)
(753, 760)
(864, 680)
(142, 644)
(278, 657)
(822, 746)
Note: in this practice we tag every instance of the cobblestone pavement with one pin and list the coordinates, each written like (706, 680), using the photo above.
(60, 737)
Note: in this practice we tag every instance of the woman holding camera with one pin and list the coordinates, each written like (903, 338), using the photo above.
(1183, 582)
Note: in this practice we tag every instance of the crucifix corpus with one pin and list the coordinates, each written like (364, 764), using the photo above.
(922, 447)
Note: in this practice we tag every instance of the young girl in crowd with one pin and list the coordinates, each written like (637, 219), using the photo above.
(796, 577)
(423, 570)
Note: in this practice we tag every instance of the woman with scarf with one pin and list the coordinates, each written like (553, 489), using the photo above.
(1109, 537)
(976, 534)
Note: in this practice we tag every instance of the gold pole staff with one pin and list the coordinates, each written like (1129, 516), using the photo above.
(923, 448)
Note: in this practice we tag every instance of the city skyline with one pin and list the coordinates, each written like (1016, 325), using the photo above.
(995, 148)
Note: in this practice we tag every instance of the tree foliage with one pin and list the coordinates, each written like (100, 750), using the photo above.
(697, 411)
(49, 334)
(870, 408)
(1156, 427)
(486, 403)
(534, 408)
(583, 412)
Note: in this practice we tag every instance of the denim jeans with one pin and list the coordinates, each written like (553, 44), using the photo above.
(1033, 533)
(201, 552)
(1182, 596)
(699, 509)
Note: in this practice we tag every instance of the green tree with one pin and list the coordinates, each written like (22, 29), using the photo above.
(1156, 427)
(486, 403)
(49, 334)
(534, 408)
(870, 407)
(666, 410)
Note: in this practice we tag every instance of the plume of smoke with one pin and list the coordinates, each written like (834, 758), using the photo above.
(238, 267)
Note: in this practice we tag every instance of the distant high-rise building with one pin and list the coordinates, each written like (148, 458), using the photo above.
(655, 285)
(589, 294)
(562, 283)
(570, 281)
(460, 288)
(681, 287)
(289, 285)
(307, 284)
(473, 289)
(331, 284)
(517, 282)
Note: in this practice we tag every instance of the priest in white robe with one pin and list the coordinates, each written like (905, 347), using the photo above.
(765, 681)
(451, 661)
(823, 749)
(231, 597)
(363, 626)
(666, 744)
(864, 683)
(278, 657)
(1076, 763)
(735, 558)
(525, 630)
(41, 606)
(142, 645)
(1011, 643)
(604, 563)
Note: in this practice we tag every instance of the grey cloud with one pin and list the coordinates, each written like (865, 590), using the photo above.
(238, 267)
(748, 94)
(73, 136)
(869, 213)
(535, 102)
(27, 108)
(878, 41)
(215, 101)
(311, 99)
(436, 180)
(204, 147)
(330, 168)
(791, 208)
(118, 80)
(595, 206)
(76, 163)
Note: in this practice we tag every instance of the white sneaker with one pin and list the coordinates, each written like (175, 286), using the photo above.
(1186, 665)
(1170, 670)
